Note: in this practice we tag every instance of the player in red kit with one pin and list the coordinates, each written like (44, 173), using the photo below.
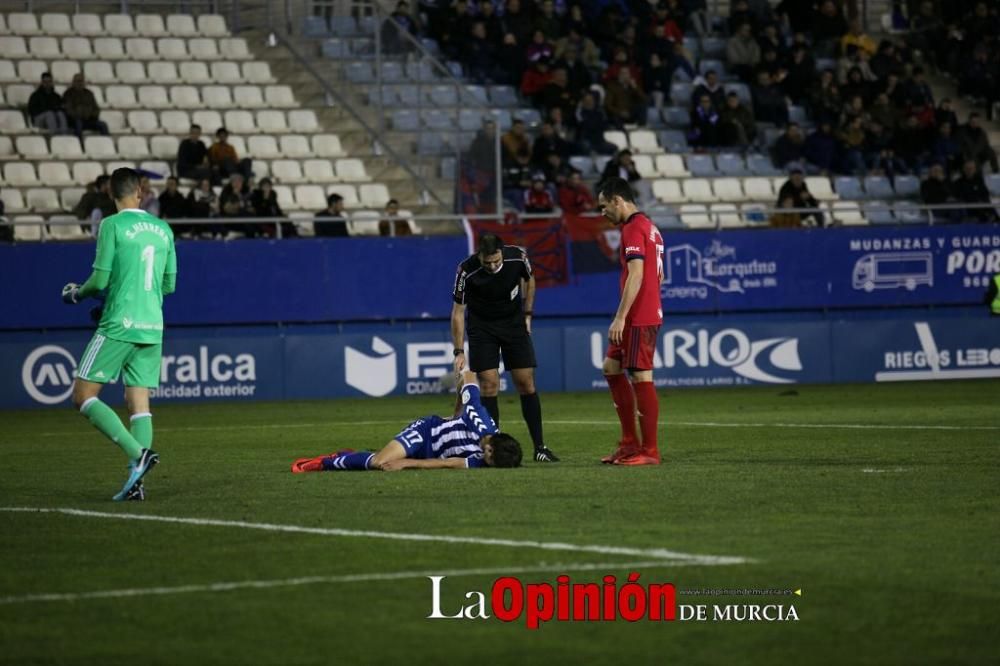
(632, 334)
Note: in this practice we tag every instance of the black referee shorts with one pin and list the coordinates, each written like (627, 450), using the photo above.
(488, 340)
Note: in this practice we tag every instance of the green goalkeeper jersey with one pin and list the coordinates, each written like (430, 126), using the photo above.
(137, 249)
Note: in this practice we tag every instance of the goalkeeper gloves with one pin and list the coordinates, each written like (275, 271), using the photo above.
(71, 294)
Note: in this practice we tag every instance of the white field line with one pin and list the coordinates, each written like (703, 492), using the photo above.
(328, 580)
(876, 470)
(648, 553)
(666, 424)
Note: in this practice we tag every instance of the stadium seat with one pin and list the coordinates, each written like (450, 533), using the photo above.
(87, 25)
(69, 197)
(164, 73)
(673, 141)
(701, 165)
(644, 165)
(819, 187)
(8, 73)
(141, 48)
(618, 138)
(375, 195)
(131, 73)
(759, 189)
(12, 122)
(680, 94)
(409, 95)
(212, 25)
(115, 120)
(310, 197)
(668, 191)
(272, 121)
(582, 163)
(30, 71)
(13, 201)
(227, 72)
(468, 120)
(350, 170)
(42, 199)
(62, 147)
(333, 48)
(847, 212)
(294, 146)
(203, 49)
(133, 147)
(359, 72)
(327, 145)
(263, 147)
(13, 47)
(195, 73)
(234, 48)
(653, 118)
(725, 215)
(319, 171)
(77, 48)
(57, 24)
(348, 192)
(172, 48)
(209, 121)
(504, 96)
(109, 48)
(119, 25)
(437, 119)
(280, 97)
(18, 94)
(7, 148)
(713, 47)
(46, 48)
(121, 97)
(64, 70)
(315, 26)
(344, 26)
(144, 122)
(186, 97)
(697, 190)
(878, 187)
(847, 187)
(365, 223)
(98, 72)
(150, 25)
(474, 95)
(288, 171)
(20, 23)
(181, 25)
(239, 145)
(908, 187)
(175, 122)
(164, 147)
(160, 167)
(742, 91)
(248, 97)
(671, 166)
(878, 212)
(908, 212)
(530, 117)
(85, 173)
(237, 121)
(28, 230)
(392, 71)
(695, 216)
(754, 214)
(761, 165)
(444, 96)
(731, 164)
(20, 174)
(728, 190)
(432, 143)
(643, 141)
(256, 72)
(219, 97)
(66, 228)
(303, 121)
(665, 217)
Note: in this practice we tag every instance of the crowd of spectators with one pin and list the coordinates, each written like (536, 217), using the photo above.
(72, 112)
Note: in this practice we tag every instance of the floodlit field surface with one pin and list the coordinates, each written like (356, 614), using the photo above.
(879, 502)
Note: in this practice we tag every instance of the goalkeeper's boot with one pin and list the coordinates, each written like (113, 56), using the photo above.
(146, 461)
(544, 454)
(624, 450)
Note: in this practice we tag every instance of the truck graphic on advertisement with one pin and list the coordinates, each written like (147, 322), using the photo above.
(893, 270)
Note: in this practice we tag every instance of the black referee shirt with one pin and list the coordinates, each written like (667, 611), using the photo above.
(493, 296)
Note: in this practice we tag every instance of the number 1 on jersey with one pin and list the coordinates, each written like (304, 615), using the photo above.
(148, 257)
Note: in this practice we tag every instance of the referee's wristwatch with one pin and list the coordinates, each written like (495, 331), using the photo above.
(458, 351)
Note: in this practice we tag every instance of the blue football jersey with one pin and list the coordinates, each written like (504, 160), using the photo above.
(459, 437)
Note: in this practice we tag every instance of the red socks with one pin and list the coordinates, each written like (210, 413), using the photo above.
(621, 393)
(649, 416)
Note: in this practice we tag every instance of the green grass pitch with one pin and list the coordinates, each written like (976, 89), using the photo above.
(879, 502)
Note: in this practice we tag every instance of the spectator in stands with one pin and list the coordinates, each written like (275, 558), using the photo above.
(704, 132)
(856, 86)
(202, 202)
(796, 192)
(231, 208)
(479, 55)
(820, 148)
(330, 222)
(45, 107)
(539, 48)
(561, 129)
(534, 80)
(736, 123)
(591, 124)
(800, 75)
(789, 147)
(825, 101)
(882, 111)
(854, 108)
(620, 60)
(935, 190)
(511, 55)
(490, 20)
(192, 156)
(547, 144)
(912, 143)
(916, 90)
(264, 200)
(556, 94)
(656, 80)
(880, 156)
(854, 57)
(516, 21)
(97, 198)
(978, 79)
(708, 85)
(537, 198)
(946, 150)
(396, 26)
(664, 17)
(970, 187)
(945, 114)
(482, 151)
(81, 108)
(584, 46)
(455, 29)
(743, 53)
(574, 197)
(795, 14)
(770, 40)
(975, 144)
(173, 205)
(927, 33)
(516, 145)
(851, 144)
(223, 159)
(578, 77)
(624, 101)
(857, 38)
(621, 166)
(739, 16)
(887, 61)
(516, 179)
(828, 26)
(769, 104)
(547, 22)
(240, 189)
(148, 201)
(391, 223)
(783, 218)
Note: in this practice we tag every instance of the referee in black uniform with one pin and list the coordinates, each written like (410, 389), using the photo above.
(497, 287)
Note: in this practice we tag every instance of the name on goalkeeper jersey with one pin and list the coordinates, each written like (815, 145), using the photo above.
(140, 227)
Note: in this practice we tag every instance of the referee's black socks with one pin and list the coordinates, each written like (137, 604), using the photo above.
(531, 408)
(492, 405)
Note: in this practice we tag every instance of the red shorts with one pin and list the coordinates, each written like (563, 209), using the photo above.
(637, 348)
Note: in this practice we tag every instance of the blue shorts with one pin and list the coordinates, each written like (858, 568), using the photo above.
(416, 437)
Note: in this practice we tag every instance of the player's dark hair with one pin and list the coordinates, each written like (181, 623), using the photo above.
(489, 244)
(506, 451)
(616, 187)
(124, 183)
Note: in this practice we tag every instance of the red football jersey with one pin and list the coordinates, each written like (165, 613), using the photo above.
(642, 240)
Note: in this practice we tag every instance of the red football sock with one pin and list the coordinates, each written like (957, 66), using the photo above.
(624, 399)
(649, 416)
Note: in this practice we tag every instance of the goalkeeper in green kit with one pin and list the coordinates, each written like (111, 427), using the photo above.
(137, 266)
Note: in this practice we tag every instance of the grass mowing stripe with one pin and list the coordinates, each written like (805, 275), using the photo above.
(655, 553)
(326, 580)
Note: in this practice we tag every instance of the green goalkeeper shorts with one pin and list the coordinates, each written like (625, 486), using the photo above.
(104, 359)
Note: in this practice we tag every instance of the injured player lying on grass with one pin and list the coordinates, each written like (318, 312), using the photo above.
(467, 440)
